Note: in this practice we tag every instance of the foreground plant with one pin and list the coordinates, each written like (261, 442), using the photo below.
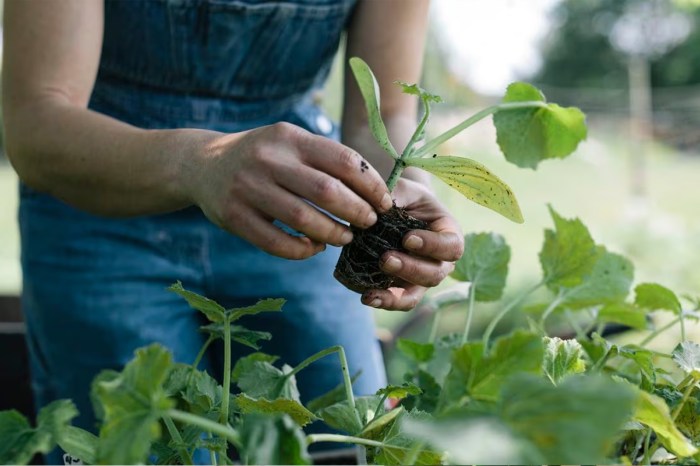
(528, 128)
(527, 397)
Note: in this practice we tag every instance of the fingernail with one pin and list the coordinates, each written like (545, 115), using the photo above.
(413, 242)
(387, 203)
(371, 218)
(392, 264)
(346, 237)
(376, 303)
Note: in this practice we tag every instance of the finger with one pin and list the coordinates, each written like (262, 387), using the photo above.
(255, 229)
(416, 270)
(395, 299)
(329, 193)
(299, 215)
(347, 165)
(439, 245)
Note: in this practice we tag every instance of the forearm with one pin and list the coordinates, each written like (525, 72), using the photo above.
(99, 164)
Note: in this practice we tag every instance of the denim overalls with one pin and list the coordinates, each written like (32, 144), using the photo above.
(95, 288)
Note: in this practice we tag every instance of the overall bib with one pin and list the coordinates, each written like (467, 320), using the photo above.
(95, 288)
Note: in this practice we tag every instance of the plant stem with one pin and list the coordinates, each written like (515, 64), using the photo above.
(647, 450)
(175, 434)
(200, 355)
(206, 424)
(658, 331)
(315, 438)
(494, 322)
(551, 308)
(682, 322)
(227, 372)
(212, 453)
(580, 334)
(418, 132)
(686, 395)
(470, 313)
(343, 367)
(450, 133)
(434, 327)
(395, 174)
(380, 405)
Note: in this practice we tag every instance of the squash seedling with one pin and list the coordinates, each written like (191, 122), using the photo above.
(528, 129)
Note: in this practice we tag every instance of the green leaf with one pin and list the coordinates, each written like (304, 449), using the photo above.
(293, 408)
(246, 363)
(471, 441)
(652, 411)
(415, 89)
(561, 358)
(418, 352)
(568, 254)
(133, 403)
(341, 416)
(654, 297)
(79, 444)
(529, 135)
(260, 379)
(688, 420)
(370, 93)
(608, 282)
(575, 422)
(476, 376)
(272, 440)
(208, 307)
(474, 181)
(687, 356)
(377, 427)
(333, 396)
(428, 399)
(398, 447)
(399, 391)
(623, 313)
(240, 334)
(20, 442)
(264, 305)
(484, 264)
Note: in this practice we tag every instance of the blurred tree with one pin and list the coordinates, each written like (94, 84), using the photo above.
(592, 39)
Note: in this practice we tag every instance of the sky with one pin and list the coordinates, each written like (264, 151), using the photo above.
(491, 42)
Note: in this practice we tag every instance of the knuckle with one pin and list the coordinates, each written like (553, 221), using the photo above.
(285, 130)
(347, 158)
(300, 216)
(327, 189)
(437, 277)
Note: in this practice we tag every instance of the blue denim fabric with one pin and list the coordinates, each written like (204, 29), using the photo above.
(95, 288)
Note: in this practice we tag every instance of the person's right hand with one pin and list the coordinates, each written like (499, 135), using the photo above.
(245, 181)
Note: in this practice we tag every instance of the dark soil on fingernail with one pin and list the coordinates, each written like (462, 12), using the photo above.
(358, 265)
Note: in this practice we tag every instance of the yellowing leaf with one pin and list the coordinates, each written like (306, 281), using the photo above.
(474, 181)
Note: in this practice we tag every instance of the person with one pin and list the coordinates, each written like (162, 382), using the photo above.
(162, 141)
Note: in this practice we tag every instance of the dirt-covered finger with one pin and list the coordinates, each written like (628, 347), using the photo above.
(303, 217)
(438, 245)
(349, 166)
(330, 194)
(417, 270)
(252, 227)
(395, 299)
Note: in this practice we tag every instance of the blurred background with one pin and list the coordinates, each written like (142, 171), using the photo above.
(633, 66)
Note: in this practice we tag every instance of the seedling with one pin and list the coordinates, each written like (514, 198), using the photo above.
(528, 128)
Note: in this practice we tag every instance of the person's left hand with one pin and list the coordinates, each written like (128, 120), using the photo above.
(432, 253)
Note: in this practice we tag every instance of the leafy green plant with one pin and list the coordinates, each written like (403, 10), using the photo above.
(529, 130)
(526, 397)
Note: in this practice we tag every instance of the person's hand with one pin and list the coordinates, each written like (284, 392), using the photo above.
(432, 253)
(245, 181)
